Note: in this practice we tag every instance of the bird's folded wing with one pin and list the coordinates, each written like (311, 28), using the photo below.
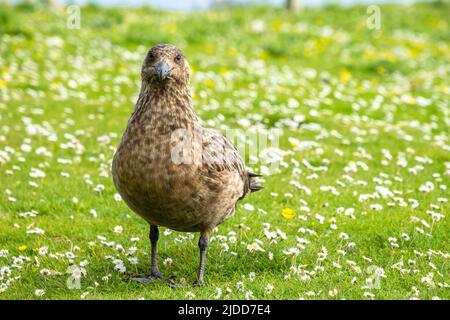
(221, 158)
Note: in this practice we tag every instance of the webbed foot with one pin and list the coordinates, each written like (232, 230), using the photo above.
(156, 276)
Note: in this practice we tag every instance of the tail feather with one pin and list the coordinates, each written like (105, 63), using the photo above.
(254, 186)
(252, 175)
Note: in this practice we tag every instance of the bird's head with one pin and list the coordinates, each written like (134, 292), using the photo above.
(165, 64)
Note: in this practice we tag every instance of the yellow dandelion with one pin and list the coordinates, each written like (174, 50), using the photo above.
(345, 75)
(277, 25)
(287, 213)
(263, 55)
(23, 248)
(380, 69)
(209, 83)
(224, 71)
(2, 84)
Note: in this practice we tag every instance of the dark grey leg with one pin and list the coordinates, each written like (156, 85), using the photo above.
(154, 236)
(202, 244)
(155, 274)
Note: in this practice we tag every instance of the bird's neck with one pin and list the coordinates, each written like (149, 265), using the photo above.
(165, 109)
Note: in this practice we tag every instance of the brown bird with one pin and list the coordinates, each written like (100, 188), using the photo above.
(168, 168)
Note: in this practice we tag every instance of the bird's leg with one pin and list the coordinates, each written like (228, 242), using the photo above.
(155, 274)
(154, 236)
(202, 244)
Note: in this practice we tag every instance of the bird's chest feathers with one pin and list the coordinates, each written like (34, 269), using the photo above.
(145, 153)
(151, 133)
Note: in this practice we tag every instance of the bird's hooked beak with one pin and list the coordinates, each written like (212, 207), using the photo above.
(162, 70)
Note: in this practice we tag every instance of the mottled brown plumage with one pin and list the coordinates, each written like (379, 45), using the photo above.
(193, 192)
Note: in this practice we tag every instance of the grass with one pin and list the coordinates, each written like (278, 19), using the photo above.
(373, 102)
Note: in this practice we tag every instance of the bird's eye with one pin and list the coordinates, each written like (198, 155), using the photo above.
(151, 56)
(178, 58)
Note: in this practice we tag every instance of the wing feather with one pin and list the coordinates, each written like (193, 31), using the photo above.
(221, 158)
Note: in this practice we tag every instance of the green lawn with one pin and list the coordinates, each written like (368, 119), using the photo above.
(364, 119)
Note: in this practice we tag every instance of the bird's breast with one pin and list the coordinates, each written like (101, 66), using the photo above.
(146, 175)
